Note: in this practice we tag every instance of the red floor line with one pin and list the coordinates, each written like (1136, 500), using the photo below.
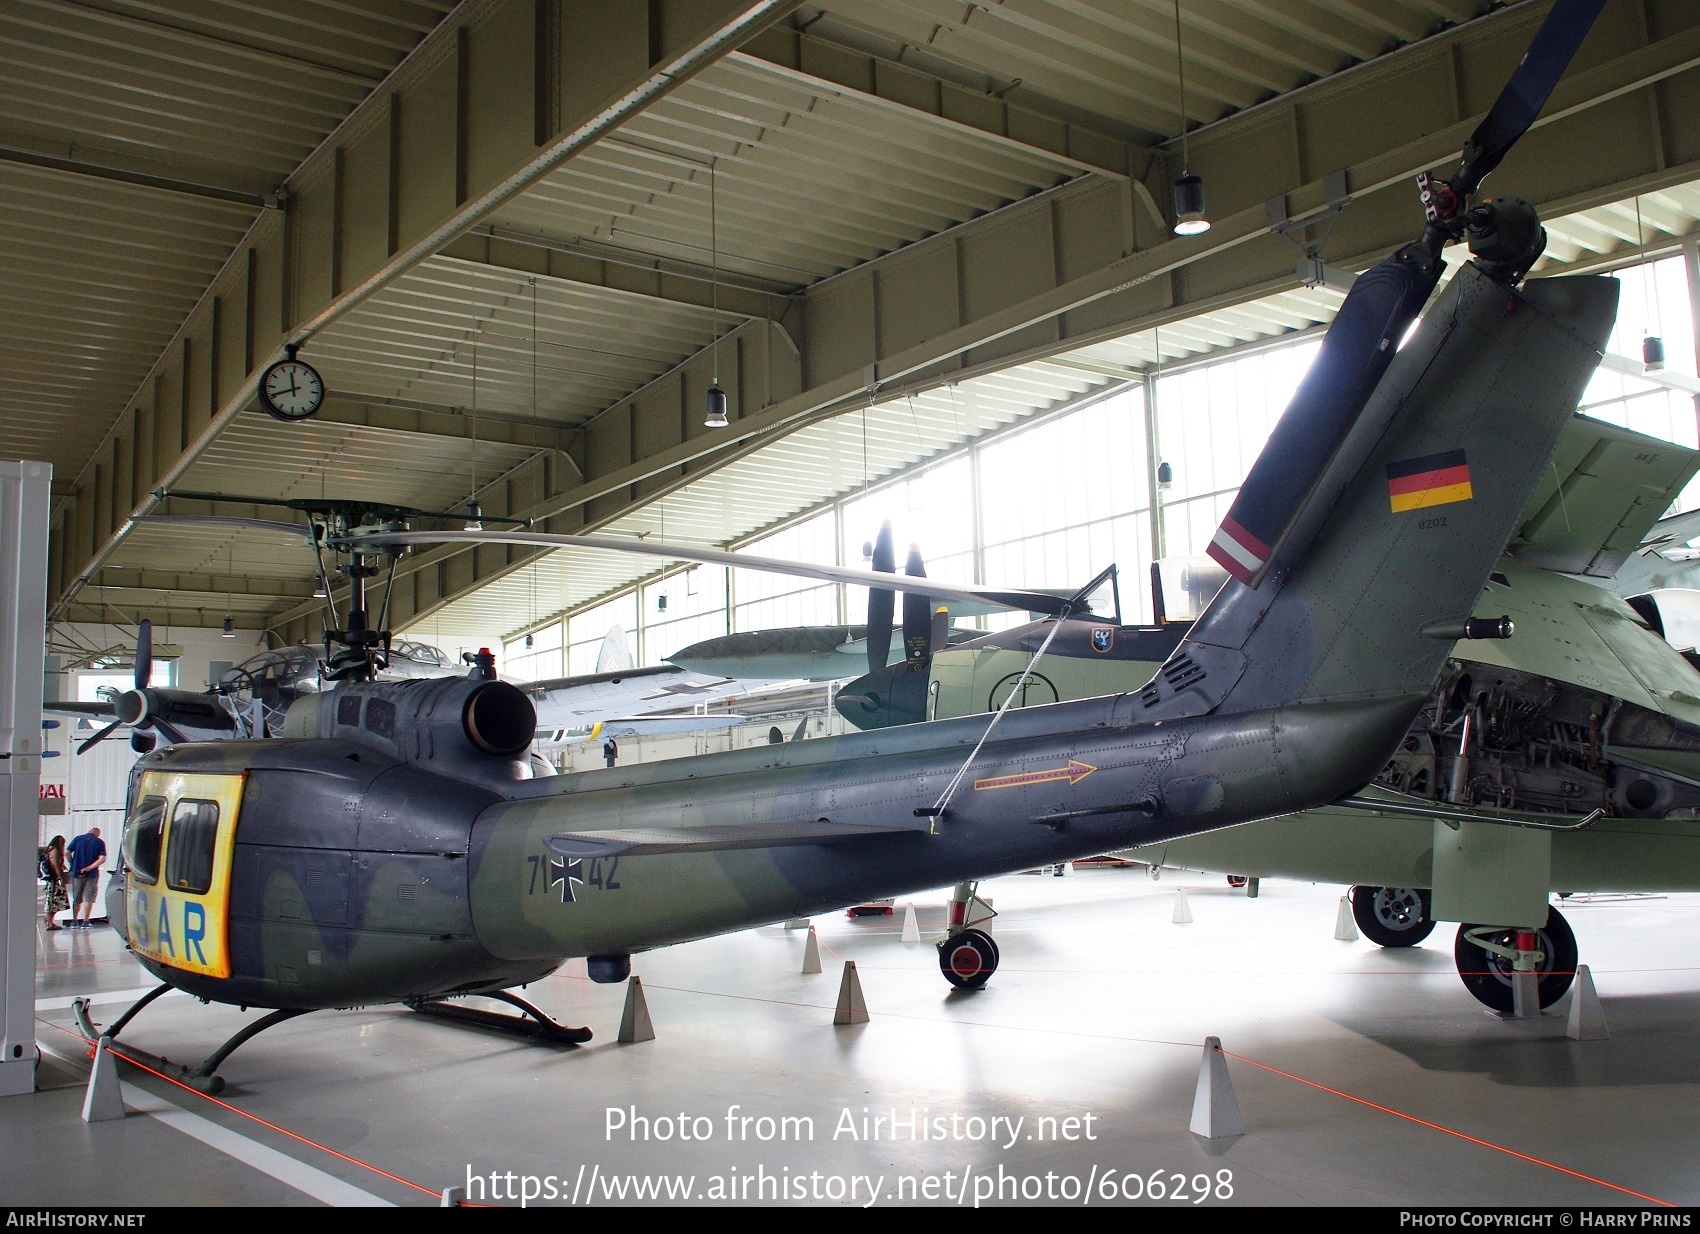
(1433, 1126)
(324, 1148)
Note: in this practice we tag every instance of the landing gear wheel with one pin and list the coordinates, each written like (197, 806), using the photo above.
(968, 958)
(1488, 977)
(1236, 880)
(1392, 916)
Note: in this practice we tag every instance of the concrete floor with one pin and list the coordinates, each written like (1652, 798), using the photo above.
(1099, 1009)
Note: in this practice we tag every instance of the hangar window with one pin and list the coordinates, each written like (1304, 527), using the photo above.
(189, 855)
(142, 837)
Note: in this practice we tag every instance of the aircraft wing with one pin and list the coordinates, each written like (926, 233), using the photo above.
(1602, 494)
(570, 703)
(654, 841)
(1571, 630)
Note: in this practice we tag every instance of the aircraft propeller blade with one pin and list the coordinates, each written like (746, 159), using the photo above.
(1379, 309)
(169, 731)
(939, 636)
(881, 602)
(917, 613)
(102, 735)
(144, 654)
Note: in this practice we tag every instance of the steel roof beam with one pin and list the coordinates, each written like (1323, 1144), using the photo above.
(1055, 271)
(499, 94)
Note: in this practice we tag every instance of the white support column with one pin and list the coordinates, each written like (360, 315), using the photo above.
(1691, 264)
(24, 499)
(1153, 453)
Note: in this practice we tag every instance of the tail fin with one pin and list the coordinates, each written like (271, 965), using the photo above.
(1412, 514)
(615, 655)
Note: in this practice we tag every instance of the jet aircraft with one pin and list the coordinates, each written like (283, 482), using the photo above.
(395, 845)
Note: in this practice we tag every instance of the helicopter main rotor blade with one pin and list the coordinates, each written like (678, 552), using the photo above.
(1379, 309)
(1019, 599)
(881, 602)
(144, 654)
(1526, 92)
(301, 530)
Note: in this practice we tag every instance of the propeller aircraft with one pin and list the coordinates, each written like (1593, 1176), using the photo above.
(396, 844)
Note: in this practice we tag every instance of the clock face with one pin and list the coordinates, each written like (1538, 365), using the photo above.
(291, 390)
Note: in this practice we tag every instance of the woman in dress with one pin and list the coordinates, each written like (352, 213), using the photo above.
(57, 899)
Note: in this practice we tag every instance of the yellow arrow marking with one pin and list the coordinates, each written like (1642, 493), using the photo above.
(1073, 773)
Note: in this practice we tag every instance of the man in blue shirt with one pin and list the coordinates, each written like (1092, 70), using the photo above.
(86, 855)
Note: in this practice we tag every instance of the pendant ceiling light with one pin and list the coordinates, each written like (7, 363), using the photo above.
(718, 403)
(1189, 189)
(1652, 344)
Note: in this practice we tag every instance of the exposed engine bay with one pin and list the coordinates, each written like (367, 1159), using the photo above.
(1502, 739)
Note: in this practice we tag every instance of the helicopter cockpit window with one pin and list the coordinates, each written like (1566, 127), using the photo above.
(142, 837)
(380, 718)
(189, 858)
(348, 710)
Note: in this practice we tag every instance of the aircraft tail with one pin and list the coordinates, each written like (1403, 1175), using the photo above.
(1401, 534)
(615, 655)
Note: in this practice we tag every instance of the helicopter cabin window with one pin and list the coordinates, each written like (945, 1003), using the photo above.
(380, 718)
(142, 838)
(189, 857)
(348, 710)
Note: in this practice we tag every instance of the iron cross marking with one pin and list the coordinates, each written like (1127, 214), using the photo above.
(566, 873)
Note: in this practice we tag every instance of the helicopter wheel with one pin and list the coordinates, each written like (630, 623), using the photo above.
(1488, 976)
(1392, 916)
(968, 958)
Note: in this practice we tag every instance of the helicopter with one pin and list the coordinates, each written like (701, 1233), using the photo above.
(397, 845)
(1594, 705)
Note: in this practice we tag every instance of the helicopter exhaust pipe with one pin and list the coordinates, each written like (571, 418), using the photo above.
(499, 719)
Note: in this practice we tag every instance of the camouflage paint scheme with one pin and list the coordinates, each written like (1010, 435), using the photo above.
(1280, 699)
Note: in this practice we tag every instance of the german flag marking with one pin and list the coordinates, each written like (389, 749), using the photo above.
(1433, 480)
(1074, 773)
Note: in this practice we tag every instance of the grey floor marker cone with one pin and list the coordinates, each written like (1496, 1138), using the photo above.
(103, 1101)
(1215, 1112)
(1345, 929)
(852, 1007)
(911, 927)
(1587, 1018)
(1183, 910)
(635, 1024)
(452, 1197)
(811, 953)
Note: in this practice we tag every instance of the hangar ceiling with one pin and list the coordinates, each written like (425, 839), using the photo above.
(518, 237)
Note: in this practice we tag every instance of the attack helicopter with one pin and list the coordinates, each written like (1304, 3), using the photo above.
(396, 846)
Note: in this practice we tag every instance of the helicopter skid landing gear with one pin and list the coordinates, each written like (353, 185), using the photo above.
(203, 1078)
(534, 1024)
